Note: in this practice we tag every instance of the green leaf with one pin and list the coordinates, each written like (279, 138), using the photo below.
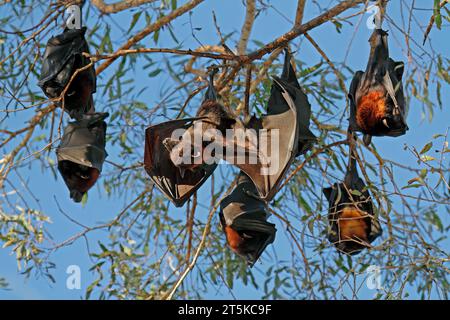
(426, 148)
(134, 20)
(437, 14)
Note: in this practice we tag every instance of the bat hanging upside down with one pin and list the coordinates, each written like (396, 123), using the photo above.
(243, 216)
(377, 103)
(81, 153)
(352, 224)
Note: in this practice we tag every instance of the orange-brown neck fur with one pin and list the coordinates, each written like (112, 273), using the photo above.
(352, 224)
(371, 110)
(234, 240)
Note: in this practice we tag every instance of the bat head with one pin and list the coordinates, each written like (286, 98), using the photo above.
(78, 178)
(243, 216)
(248, 243)
(187, 150)
(185, 153)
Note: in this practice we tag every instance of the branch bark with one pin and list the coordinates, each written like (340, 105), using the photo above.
(118, 6)
(247, 27)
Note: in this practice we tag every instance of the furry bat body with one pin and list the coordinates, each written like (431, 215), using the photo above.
(353, 225)
(243, 217)
(63, 56)
(377, 103)
(81, 153)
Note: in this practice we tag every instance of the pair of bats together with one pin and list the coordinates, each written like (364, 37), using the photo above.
(81, 152)
(377, 109)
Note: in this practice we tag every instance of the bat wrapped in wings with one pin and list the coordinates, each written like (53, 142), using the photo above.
(352, 224)
(243, 217)
(377, 104)
(178, 180)
(63, 56)
(263, 147)
(82, 152)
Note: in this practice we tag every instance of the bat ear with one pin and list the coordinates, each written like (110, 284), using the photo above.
(399, 67)
(170, 143)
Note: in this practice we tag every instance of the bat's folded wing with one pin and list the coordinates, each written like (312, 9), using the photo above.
(277, 148)
(60, 57)
(83, 141)
(161, 169)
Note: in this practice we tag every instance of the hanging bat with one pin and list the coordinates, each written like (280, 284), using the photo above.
(243, 217)
(377, 104)
(272, 141)
(178, 181)
(353, 225)
(62, 57)
(81, 153)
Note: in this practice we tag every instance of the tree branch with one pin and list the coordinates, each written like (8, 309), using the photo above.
(118, 6)
(247, 27)
(150, 29)
(298, 30)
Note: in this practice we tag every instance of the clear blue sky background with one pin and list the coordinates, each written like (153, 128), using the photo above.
(230, 16)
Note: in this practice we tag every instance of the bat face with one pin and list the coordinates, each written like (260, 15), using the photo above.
(187, 152)
(81, 153)
(78, 178)
(243, 216)
(376, 95)
(177, 183)
(248, 244)
(62, 57)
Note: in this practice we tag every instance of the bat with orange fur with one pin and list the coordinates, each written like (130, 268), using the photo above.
(81, 153)
(63, 56)
(352, 224)
(243, 217)
(377, 103)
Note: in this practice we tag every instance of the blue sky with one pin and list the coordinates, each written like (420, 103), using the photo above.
(230, 16)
